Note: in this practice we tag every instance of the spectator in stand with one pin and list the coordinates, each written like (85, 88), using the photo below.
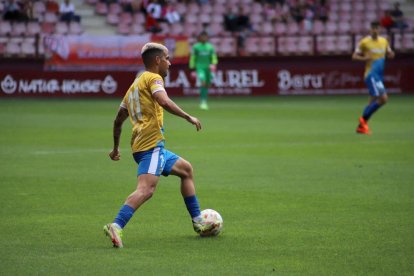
(170, 14)
(282, 12)
(13, 11)
(153, 15)
(309, 17)
(67, 12)
(127, 5)
(322, 11)
(154, 9)
(297, 12)
(386, 21)
(231, 21)
(238, 24)
(27, 9)
(398, 18)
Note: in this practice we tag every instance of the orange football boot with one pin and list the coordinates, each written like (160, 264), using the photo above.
(363, 127)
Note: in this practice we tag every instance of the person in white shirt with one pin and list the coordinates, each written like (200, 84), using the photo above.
(67, 12)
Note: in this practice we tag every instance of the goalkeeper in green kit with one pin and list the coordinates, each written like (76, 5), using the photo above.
(203, 60)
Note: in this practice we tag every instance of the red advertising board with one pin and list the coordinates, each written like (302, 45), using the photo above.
(234, 77)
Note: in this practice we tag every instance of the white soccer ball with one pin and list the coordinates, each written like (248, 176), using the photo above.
(212, 217)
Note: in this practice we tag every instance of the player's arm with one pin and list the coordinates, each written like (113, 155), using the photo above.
(120, 118)
(360, 53)
(390, 53)
(162, 99)
(361, 56)
(214, 60)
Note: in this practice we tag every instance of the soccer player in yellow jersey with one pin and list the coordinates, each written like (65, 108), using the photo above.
(144, 103)
(373, 50)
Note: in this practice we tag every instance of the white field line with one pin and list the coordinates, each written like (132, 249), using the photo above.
(213, 146)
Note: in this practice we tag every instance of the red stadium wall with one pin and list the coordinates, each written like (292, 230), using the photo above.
(236, 76)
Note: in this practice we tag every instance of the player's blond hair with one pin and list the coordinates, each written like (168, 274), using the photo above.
(153, 45)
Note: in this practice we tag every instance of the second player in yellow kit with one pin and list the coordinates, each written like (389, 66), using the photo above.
(373, 50)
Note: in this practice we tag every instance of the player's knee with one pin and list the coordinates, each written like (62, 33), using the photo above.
(147, 192)
(187, 171)
(383, 100)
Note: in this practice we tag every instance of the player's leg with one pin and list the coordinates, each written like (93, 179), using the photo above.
(145, 189)
(150, 166)
(184, 170)
(202, 77)
(378, 97)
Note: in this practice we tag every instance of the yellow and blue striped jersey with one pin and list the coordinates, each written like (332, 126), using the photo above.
(377, 49)
(145, 113)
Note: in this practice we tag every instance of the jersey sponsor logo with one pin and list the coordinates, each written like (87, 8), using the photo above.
(158, 82)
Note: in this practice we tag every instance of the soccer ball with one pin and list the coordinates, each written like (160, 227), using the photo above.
(212, 217)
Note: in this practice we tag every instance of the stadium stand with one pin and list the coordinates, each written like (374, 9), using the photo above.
(273, 29)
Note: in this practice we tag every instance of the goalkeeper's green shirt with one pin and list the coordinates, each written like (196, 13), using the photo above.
(202, 55)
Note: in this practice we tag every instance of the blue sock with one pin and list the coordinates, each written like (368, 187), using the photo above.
(124, 215)
(370, 109)
(192, 206)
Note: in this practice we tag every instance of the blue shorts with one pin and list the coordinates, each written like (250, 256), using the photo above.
(155, 161)
(375, 85)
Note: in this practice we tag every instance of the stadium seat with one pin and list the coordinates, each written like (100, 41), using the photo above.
(123, 28)
(114, 8)
(331, 27)
(344, 27)
(252, 46)
(137, 29)
(358, 7)
(48, 28)
(28, 49)
(101, 8)
(206, 9)
(139, 18)
(5, 28)
(266, 29)
(267, 45)
(191, 18)
(280, 28)
(228, 46)
(204, 18)
(344, 44)
(112, 18)
(75, 28)
(12, 49)
(215, 29)
(288, 45)
(193, 8)
(177, 29)
(190, 29)
(61, 28)
(292, 28)
(50, 17)
(18, 29)
(33, 28)
(326, 44)
(125, 18)
(217, 18)
(305, 45)
(318, 28)
(39, 8)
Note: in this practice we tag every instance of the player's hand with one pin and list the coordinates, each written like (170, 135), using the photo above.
(115, 155)
(194, 121)
(213, 68)
(193, 74)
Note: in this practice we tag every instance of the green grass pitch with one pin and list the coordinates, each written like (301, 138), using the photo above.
(299, 191)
